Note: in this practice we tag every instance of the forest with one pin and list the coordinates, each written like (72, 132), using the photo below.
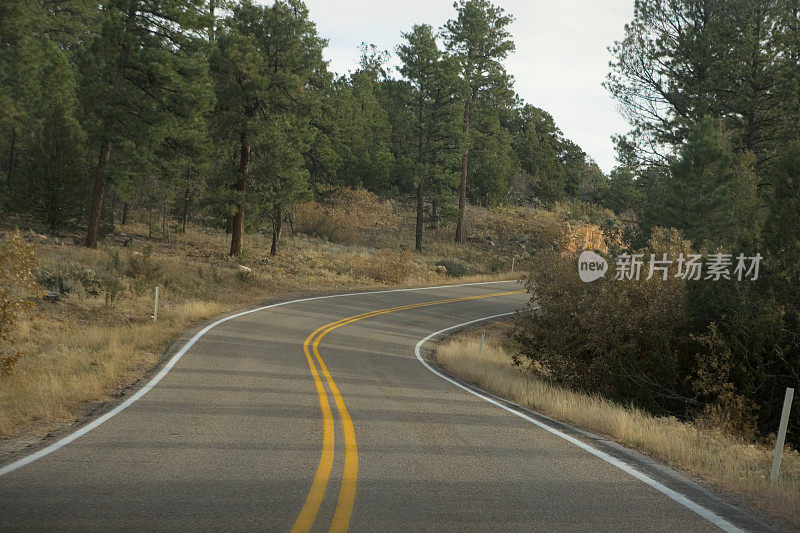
(225, 115)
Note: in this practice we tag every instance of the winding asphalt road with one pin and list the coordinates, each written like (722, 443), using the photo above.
(319, 414)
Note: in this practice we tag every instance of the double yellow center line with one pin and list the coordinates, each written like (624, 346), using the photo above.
(347, 491)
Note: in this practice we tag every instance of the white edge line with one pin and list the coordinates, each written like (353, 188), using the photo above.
(672, 494)
(19, 463)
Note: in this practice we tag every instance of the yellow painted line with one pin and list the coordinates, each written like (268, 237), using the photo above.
(347, 491)
(317, 492)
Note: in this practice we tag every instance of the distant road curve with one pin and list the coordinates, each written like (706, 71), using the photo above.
(316, 414)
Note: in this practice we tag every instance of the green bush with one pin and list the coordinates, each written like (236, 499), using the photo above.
(455, 268)
(624, 339)
(643, 341)
(113, 288)
(72, 277)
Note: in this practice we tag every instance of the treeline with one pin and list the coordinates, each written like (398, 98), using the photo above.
(226, 113)
(712, 89)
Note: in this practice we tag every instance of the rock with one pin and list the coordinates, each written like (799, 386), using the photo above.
(244, 269)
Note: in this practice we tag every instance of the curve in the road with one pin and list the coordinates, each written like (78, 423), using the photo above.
(28, 459)
(229, 439)
(347, 491)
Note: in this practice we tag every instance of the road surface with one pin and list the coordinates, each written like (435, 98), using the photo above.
(318, 414)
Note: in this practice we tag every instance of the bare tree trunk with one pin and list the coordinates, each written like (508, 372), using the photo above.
(108, 128)
(462, 189)
(420, 213)
(124, 214)
(277, 226)
(238, 220)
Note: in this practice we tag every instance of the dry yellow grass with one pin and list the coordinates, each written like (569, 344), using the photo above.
(726, 461)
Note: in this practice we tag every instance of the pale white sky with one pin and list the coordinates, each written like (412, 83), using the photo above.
(559, 65)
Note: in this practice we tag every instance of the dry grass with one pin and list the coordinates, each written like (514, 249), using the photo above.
(726, 461)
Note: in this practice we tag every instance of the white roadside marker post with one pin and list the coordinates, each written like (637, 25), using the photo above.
(776, 460)
(155, 307)
(483, 337)
(512, 264)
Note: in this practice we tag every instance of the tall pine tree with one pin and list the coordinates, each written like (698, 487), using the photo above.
(479, 40)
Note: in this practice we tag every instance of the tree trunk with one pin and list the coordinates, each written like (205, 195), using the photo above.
(185, 215)
(277, 226)
(434, 213)
(212, 6)
(421, 176)
(462, 189)
(164, 216)
(186, 198)
(93, 229)
(420, 213)
(108, 128)
(11, 150)
(124, 214)
(241, 186)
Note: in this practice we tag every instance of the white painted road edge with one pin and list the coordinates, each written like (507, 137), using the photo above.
(28, 459)
(676, 496)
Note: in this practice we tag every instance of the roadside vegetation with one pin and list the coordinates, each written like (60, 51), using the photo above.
(716, 456)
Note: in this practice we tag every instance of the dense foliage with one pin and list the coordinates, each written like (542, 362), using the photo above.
(225, 113)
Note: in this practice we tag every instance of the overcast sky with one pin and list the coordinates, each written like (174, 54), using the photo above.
(559, 65)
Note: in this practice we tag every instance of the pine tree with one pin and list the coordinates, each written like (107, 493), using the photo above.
(360, 133)
(266, 66)
(41, 141)
(434, 92)
(142, 71)
(537, 143)
(711, 191)
(56, 160)
(479, 39)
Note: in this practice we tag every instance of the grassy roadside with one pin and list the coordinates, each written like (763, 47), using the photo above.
(87, 347)
(723, 460)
